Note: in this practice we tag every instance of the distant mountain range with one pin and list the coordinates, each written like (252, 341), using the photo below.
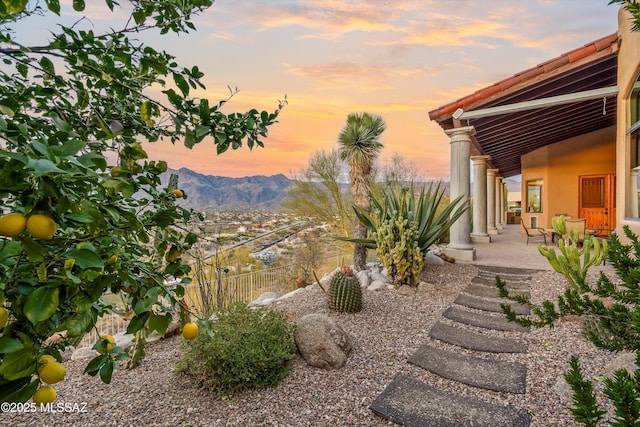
(219, 192)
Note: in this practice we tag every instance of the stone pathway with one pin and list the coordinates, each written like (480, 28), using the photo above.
(411, 402)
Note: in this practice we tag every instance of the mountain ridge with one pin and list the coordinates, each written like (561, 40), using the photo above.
(250, 192)
(221, 192)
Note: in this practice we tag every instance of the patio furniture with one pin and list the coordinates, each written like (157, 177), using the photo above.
(579, 224)
(532, 234)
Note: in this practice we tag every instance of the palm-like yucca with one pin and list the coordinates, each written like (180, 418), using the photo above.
(359, 146)
(433, 220)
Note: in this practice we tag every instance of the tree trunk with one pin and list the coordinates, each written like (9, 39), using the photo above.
(359, 250)
(362, 198)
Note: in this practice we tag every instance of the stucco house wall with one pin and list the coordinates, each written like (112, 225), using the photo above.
(628, 71)
(559, 165)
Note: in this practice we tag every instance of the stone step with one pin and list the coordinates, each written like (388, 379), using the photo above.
(508, 270)
(483, 291)
(475, 341)
(490, 305)
(475, 371)
(413, 403)
(491, 281)
(498, 323)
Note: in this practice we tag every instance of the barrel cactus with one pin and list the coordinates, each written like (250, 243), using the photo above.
(345, 293)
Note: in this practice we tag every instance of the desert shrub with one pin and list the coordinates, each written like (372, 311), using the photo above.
(243, 348)
(404, 224)
(611, 320)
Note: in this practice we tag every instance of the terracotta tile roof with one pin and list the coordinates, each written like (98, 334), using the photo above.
(546, 67)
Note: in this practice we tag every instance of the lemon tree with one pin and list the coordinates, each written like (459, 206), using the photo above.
(84, 209)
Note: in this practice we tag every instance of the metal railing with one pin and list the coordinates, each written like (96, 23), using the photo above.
(244, 287)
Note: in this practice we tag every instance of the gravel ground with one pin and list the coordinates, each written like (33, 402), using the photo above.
(387, 331)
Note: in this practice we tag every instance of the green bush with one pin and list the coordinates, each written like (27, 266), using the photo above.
(611, 319)
(243, 348)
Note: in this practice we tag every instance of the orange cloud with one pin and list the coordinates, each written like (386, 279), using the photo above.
(345, 73)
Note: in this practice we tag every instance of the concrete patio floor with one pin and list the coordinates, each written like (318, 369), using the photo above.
(510, 249)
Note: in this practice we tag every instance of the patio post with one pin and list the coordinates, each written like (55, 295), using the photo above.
(460, 246)
(498, 206)
(503, 203)
(491, 202)
(479, 233)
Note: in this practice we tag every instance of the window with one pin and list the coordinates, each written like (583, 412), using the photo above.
(534, 196)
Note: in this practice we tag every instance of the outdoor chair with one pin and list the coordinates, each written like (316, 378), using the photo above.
(556, 236)
(532, 234)
(579, 224)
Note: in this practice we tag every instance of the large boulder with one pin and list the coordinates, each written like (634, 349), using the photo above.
(321, 342)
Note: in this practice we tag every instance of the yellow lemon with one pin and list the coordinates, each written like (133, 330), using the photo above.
(45, 394)
(44, 360)
(134, 167)
(172, 254)
(190, 331)
(41, 226)
(12, 224)
(52, 372)
(4, 316)
(111, 341)
(112, 259)
(178, 193)
(117, 171)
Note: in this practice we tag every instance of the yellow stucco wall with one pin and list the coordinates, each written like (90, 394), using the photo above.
(559, 166)
(628, 70)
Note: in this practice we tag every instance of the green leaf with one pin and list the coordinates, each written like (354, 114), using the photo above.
(20, 363)
(107, 371)
(61, 124)
(159, 323)
(189, 139)
(181, 83)
(10, 345)
(69, 148)
(204, 111)
(54, 6)
(96, 363)
(42, 167)
(35, 252)
(138, 322)
(83, 322)
(19, 390)
(78, 5)
(41, 304)
(139, 16)
(82, 219)
(85, 258)
(47, 66)
(7, 110)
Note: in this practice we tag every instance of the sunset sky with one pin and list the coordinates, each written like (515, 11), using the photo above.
(395, 58)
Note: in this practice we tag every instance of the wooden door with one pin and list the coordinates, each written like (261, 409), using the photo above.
(597, 202)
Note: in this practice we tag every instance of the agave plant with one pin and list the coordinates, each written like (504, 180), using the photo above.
(432, 221)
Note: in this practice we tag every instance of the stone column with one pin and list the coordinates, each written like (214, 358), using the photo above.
(479, 233)
(491, 202)
(460, 246)
(503, 204)
(498, 206)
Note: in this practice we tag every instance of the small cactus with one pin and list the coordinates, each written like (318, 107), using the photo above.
(345, 293)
